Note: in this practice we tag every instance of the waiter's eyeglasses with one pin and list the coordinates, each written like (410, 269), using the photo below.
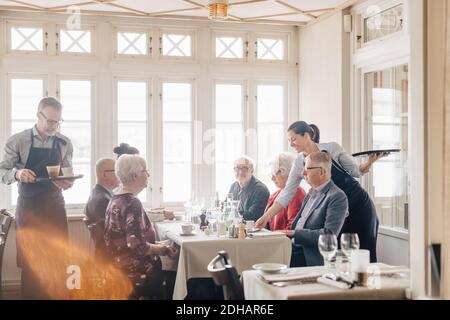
(51, 122)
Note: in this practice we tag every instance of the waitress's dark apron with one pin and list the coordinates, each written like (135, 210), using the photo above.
(362, 218)
(40, 206)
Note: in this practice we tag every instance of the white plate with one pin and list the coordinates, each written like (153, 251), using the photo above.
(270, 267)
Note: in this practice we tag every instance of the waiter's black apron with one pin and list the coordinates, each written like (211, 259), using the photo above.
(362, 218)
(40, 206)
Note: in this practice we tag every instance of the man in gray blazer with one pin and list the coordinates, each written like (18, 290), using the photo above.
(323, 211)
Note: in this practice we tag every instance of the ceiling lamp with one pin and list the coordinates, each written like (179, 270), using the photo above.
(218, 9)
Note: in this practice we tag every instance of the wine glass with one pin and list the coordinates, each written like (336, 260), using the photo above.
(349, 242)
(327, 247)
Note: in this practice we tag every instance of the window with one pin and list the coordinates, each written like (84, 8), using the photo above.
(27, 39)
(132, 117)
(387, 108)
(229, 47)
(75, 96)
(229, 102)
(269, 49)
(132, 43)
(25, 96)
(270, 127)
(177, 141)
(176, 45)
(381, 24)
(75, 41)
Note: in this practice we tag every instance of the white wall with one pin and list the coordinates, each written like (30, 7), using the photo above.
(321, 70)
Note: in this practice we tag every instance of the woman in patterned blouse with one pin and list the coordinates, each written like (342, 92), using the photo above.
(129, 235)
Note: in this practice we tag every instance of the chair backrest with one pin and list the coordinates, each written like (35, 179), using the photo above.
(225, 275)
(5, 223)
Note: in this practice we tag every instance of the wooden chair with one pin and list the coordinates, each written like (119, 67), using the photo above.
(225, 275)
(5, 223)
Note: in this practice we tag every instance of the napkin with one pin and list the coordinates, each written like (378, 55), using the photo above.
(290, 277)
(258, 235)
(334, 283)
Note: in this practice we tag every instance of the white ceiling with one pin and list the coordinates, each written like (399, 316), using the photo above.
(289, 12)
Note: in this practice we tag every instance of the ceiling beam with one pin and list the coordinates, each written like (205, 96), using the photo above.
(346, 4)
(27, 4)
(272, 15)
(234, 4)
(194, 3)
(80, 4)
(112, 4)
(176, 10)
(295, 9)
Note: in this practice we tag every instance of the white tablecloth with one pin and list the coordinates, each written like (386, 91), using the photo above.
(198, 250)
(386, 288)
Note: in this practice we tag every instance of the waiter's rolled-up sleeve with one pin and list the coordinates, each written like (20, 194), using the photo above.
(9, 161)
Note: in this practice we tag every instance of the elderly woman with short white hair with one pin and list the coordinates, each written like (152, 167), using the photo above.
(281, 166)
(129, 235)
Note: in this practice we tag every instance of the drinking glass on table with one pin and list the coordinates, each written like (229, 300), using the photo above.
(327, 248)
(349, 242)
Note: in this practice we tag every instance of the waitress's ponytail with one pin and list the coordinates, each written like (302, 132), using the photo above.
(316, 133)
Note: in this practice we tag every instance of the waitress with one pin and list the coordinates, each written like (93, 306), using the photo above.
(362, 217)
(40, 206)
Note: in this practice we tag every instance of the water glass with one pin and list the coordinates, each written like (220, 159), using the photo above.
(327, 247)
(349, 242)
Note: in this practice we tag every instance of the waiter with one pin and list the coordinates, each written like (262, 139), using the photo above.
(40, 206)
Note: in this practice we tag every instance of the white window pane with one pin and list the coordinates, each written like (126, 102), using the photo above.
(176, 45)
(229, 103)
(78, 41)
(29, 39)
(224, 177)
(229, 47)
(76, 101)
(81, 189)
(135, 134)
(229, 141)
(270, 103)
(270, 143)
(177, 182)
(25, 97)
(131, 43)
(131, 101)
(270, 49)
(80, 135)
(177, 142)
(177, 145)
(177, 101)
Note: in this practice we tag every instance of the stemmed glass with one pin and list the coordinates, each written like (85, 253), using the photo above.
(349, 242)
(327, 247)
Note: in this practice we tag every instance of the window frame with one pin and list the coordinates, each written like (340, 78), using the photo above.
(90, 28)
(68, 77)
(272, 36)
(245, 94)
(159, 165)
(238, 34)
(191, 33)
(10, 24)
(149, 39)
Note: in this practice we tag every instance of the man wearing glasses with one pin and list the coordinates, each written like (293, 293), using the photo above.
(40, 206)
(252, 193)
(323, 211)
(98, 201)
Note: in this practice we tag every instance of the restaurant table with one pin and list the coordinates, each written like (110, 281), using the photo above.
(196, 251)
(384, 287)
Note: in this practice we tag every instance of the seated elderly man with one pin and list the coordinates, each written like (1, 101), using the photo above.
(130, 236)
(281, 166)
(251, 192)
(323, 211)
(98, 201)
